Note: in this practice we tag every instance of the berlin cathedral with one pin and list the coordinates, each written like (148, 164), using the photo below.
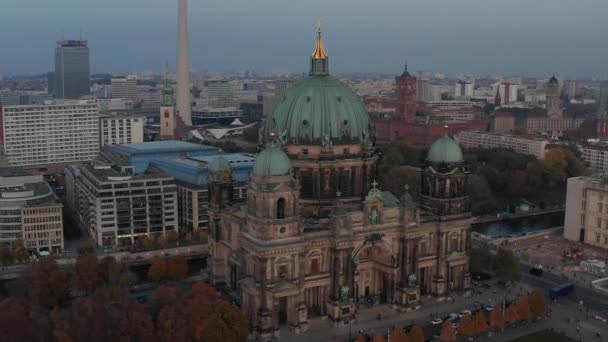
(317, 234)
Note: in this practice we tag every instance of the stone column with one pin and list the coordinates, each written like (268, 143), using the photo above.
(335, 291)
(350, 272)
(262, 277)
(404, 262)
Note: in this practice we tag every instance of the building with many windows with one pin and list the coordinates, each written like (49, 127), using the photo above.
(536, 125)
(56, 132)
(121, 128)
(587, 211)
(520, 144)
(72, 75)
(124, 87)
(116, 207)
(30, 211)
(596, 157)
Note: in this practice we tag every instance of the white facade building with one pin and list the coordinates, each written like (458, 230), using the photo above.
(124, 87)
(474, 139)
(56, 132)
(463, 89)
(586, 218)
(596, 157)
(118, 207)
(120, 128)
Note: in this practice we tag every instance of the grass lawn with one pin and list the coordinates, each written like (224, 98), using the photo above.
(544, 336)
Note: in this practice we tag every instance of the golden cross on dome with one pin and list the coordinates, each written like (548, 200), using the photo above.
(375, 184)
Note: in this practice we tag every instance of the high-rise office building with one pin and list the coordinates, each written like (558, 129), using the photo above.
(463, 89)
(72, 69)
(124, 87)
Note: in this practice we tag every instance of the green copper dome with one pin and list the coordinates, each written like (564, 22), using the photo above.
(219, 164)
(317, 108)
(445, 149)
(272, 162)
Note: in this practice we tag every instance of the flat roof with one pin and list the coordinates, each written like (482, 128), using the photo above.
(163, 146)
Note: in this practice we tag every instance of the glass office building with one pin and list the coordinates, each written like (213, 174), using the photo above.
(72, 69)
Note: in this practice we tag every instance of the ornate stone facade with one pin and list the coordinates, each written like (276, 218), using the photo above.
(317, 235)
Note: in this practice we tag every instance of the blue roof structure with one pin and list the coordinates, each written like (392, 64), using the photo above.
(193, 171)
(141, 154)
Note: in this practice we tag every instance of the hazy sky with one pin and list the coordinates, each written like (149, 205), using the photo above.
(479, 36)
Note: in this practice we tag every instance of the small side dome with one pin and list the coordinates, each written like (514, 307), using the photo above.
(445, 150)
(219, 164)
(272, 162)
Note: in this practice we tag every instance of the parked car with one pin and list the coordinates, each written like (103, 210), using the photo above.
(465, 312)
(489, 308)
(436, 321)
(602, 317)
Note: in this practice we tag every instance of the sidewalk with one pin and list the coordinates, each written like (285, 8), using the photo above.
(323, 330)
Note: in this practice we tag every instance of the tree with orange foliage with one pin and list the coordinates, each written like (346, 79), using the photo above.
(163, 295)
(360, 338)
(479, 322)
(537, 304)
(158, 270)
(199, 303)
(379, 338)
(497, 319)
(86, 272)
(417, 334)
(523, 309)
(177, 268)
(398, 335)
(161, 241)
(511, 314)
(447, 332)
(49, 287)
(467, 327)
(227, 323)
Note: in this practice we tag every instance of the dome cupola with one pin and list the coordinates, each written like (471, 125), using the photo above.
(219, 164)
(445, 150)
(272, 162)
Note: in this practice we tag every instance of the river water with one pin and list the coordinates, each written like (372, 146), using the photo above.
(520, 226)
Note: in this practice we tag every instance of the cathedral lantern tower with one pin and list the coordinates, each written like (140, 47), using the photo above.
(444, 180)
(324, 128)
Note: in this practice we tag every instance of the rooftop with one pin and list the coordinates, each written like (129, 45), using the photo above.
(106, 173)
(162, 146)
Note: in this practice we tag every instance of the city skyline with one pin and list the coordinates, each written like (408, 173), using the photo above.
(242, 36)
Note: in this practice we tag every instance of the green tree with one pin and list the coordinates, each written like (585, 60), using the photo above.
(19, 251)
(227, 323)
(482, 198)
(480, 259)
(506, 266)
(6, 256)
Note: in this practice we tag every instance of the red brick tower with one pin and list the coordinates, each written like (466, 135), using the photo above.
(406, 107)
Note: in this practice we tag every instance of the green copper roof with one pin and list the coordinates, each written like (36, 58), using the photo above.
(316, 108)
(374, 192)
(272, 162)
(219, 164)
(445, 150)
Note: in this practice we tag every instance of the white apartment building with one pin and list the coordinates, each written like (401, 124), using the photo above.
(30, 211)
(534, 125)
(120, 128)
(116, 207)
(519, 144)
(124, 87)
(56, 132)
(596, 157)
(586, 218)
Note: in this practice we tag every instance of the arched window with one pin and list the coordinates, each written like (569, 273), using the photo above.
(281, 208)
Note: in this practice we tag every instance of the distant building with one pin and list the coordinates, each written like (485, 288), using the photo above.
(596, 157)
(206, 114)
(463, 89)
(124, 87)
(587, 211)
(139, 156)
(120, 128)
(526, 145)
(571, 89)
(192, 179)
(117, 208)
(281, 86)
(507, 92)
(218, 88)
(57, 132)
(30, 211)
(423, 90)
(554, 110)
(535, 125)
(72, 69)
(504, 123)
